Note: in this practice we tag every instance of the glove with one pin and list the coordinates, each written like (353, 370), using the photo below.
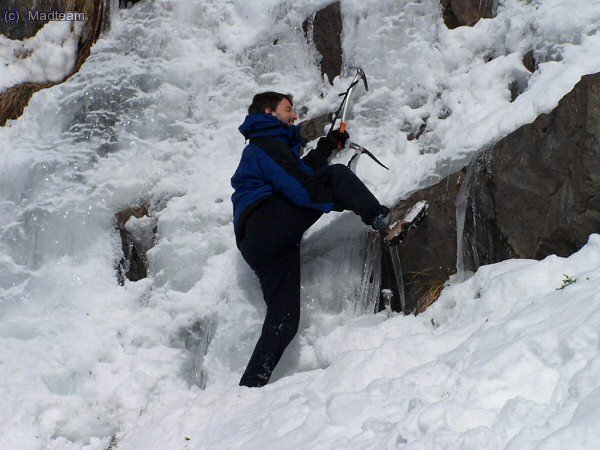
(338, 139)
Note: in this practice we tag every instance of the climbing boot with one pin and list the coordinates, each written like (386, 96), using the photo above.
(397, 228)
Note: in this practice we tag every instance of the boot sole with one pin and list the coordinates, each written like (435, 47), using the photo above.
(412, 219)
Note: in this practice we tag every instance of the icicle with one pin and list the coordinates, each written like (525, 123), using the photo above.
(474, 253)
(387, 295)
(368, 293)
(461, 213)
(398, 275)
(197, 338)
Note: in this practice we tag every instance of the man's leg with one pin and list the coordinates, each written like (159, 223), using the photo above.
(271, 246)
(280, 283)
(350, 193)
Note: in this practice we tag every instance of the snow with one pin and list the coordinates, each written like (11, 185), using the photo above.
(504, 359)
(47, 56)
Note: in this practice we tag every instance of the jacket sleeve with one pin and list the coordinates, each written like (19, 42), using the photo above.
(317, 158)
(280, 168)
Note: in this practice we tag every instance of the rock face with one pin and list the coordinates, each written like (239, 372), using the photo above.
(327, 37)
(124, 4)
(534, 193)
(466, 12)
(312, 129)
(14, 100)
(138, 233)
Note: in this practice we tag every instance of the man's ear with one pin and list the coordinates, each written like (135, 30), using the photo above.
(268, 111)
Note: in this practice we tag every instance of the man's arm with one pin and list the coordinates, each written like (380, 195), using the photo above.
(280, 168)
(317, 158)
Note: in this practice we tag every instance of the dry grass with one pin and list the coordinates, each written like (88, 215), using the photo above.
(432, 281)
(430, 296)
(14, 100)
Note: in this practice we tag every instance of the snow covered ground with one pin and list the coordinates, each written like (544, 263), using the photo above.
(503, 359)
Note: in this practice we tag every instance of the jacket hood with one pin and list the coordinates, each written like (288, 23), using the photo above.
(256, 125)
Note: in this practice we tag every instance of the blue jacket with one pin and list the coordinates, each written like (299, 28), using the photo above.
(271, 164)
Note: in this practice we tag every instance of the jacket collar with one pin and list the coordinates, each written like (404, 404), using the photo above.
(256, 125)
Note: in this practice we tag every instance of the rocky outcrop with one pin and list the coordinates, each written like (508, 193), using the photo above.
(326, 26)
(312, 129)
(17, 26)
(124, 4)
(466, 12)
(138, 233)
(534, 193)
(14, 100)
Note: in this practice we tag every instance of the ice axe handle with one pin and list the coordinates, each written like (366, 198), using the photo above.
(342, 129)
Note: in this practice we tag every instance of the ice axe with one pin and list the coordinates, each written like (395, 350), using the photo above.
(358, 149)
(360, 75)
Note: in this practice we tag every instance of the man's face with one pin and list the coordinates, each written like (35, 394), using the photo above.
(284, 112)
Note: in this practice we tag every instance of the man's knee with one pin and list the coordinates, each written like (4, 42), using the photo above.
(340, 169)
(340, 173)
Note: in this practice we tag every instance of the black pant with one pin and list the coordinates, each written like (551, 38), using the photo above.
(271, 246)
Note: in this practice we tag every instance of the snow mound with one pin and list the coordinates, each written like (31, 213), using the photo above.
(48, 56)
(507, 359)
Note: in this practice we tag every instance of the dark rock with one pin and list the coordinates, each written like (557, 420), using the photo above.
(306, 27)
(534, 193)
(124, 4)
(312, 129)
(327, 37)
(529, 61)
(18, 27)
(457, 13)
(429, 254)
(515, 91)
(416, 134)
(136, 240)
(14, 100)
(23, 27)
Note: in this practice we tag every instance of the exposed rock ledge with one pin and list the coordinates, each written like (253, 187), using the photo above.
(534, 193)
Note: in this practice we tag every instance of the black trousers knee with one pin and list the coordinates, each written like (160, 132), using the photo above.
(271, 246)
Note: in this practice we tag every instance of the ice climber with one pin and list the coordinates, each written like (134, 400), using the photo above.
(278, 196)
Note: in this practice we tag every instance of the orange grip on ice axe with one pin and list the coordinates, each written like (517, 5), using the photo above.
(342, 129)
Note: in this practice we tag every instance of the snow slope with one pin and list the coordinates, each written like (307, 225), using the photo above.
(153, 115)
(506, 359)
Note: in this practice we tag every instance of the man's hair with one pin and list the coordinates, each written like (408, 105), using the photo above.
(269, 100)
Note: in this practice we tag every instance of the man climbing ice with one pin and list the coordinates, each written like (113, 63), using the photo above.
(278, 196)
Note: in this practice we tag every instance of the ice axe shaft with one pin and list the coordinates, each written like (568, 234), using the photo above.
(360, 75)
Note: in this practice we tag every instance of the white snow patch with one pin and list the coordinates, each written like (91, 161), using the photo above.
(48, 56)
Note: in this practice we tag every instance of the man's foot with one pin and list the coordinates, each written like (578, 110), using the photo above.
(397, 229)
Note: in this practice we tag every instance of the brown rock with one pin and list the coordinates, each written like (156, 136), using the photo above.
(14, 100)
(312, 129)
(466, 12)
(124, 4)
(529, 61)
(134, 244)
(534, 193)
(326, 35)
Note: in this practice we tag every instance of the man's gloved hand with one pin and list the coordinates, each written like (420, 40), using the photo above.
(338, 138)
